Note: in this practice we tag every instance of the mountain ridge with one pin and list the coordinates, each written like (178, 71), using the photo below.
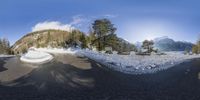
(167, 44)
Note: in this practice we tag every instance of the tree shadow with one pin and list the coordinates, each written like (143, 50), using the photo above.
(2, 62)
(58, 80)
(55, 74)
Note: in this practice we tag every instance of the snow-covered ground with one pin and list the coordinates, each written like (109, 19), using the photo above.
(137, 64)
(2, 56)
(132, 64)
(36, 57)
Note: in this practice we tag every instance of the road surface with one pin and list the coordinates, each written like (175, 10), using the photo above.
(69, 77)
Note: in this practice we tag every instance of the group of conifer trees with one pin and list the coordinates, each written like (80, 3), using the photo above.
(4, 46)
(196, 48)
(101, 35)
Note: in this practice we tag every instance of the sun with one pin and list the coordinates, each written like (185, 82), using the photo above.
(149, 30)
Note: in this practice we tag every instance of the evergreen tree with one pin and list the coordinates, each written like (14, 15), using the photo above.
(102, 28)
(112, 41)
(92, 36)
(198, 46)
(73, 38)
(195, 49)
(83, 41)
(48, 38)
(148, 45)
(1, 46)
(4, 46)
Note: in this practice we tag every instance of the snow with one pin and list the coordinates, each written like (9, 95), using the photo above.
(2, 56)
(36, 57)
(56, 50)
(131, 64)
(137, 64)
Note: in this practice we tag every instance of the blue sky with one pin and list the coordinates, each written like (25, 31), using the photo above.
(135, 20)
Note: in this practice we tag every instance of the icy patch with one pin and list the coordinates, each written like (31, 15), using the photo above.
(36, 57)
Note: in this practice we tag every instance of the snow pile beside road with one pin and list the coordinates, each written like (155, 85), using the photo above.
(57, 50)
(132, 64)
(137, 64)
(36, 57)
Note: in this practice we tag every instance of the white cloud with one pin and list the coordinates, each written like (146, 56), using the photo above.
(110, 16)
(52, 25)
(77, 20)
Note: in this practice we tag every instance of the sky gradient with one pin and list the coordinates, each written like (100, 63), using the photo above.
(135, 20)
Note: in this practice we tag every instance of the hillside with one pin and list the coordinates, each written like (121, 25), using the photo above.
(45, 38)
(60, 39)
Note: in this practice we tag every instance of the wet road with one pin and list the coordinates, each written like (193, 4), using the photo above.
(76, 78)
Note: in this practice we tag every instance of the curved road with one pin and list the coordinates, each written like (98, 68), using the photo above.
(78, 78)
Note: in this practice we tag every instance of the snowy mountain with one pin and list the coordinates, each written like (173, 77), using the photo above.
(164, 39)
(167, 44)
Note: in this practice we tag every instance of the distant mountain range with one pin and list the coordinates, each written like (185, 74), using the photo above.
(167, 44)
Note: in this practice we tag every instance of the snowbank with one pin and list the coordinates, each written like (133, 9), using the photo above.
(132, 64)
(56, 50)
(36, 57)
(136, 64)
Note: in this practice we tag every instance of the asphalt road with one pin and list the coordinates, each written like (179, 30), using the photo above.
(69, 77)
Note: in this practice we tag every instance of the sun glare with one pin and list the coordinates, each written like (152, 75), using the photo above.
(149, 30)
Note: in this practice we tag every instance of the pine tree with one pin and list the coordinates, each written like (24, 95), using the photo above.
(148, 45)
(102, 28)
(195, 49)
(83, 41)
(1, 46)
(48, 38)
(4, 46)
